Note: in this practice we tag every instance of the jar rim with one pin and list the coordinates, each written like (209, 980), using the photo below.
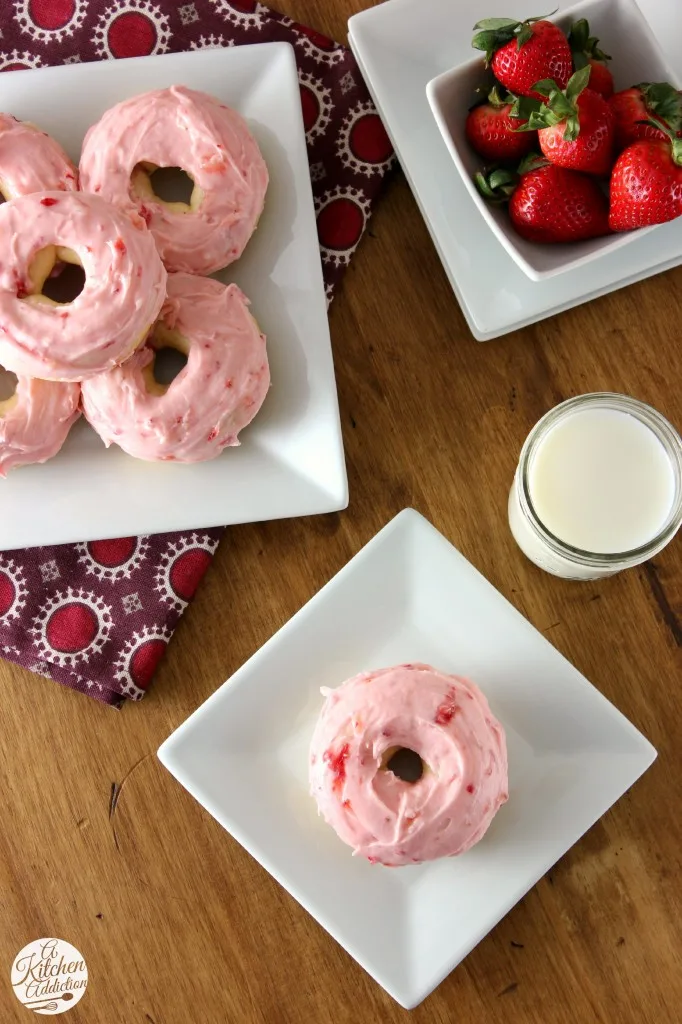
(612, 401)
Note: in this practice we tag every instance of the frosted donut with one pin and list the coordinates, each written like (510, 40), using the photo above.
(179, 127)
(444, 719)
(125, 285)
(218, 391)
(35, 420)
(31, 161)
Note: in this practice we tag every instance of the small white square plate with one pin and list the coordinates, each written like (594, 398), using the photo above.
(407, 596)
(637, 57)
(290, 462)
(403, 44)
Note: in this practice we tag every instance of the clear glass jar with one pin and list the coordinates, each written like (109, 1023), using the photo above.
(549, 552)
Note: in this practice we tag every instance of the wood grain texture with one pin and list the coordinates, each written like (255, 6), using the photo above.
(175, 920)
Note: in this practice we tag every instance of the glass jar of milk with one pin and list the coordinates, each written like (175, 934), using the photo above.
(598, 487)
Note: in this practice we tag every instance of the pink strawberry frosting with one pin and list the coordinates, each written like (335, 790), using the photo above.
(179, 127)
(31, 161)
(34, 422)
(443, 718)
(215, 395)
(124, 289)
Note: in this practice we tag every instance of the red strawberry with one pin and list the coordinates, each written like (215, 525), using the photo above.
(549, 204)
(601, 79)
(576, 126)
(646, 184)
(585, 49)
(493, 133)
(639, 104)
(523, 52)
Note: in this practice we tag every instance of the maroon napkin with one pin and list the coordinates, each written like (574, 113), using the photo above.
(98, 617)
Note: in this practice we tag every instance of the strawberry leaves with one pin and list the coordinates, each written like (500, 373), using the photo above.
(559, 106)
(664, 101)
(584, 46)
(497, 184)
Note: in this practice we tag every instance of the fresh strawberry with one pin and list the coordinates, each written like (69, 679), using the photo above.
(633, 108)
(494, 134)
(523, 52)
(576, 126)
(646, 183)
(585, 49)
(549, 204)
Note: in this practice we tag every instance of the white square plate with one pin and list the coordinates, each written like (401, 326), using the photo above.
(407, 596)
(403, 44)
(290, 462)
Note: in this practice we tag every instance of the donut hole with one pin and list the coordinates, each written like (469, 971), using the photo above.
(56, 276)
(405, 764)
(64, 283)
(168, 363)
(8, 384)
(171, 352)
(171, 186)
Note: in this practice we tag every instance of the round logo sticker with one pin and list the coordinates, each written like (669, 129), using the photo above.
(49, 976)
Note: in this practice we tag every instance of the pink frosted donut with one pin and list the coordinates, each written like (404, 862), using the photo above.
(215, 395)
(125, 285)
(179, 127)
(444, 719)
(31, 161)
(35, 420)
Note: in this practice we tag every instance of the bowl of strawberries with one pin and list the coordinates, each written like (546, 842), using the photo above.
(567, 132)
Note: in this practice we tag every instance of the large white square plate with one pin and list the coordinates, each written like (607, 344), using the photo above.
(403, 44)
(290, 462)
(407, 596)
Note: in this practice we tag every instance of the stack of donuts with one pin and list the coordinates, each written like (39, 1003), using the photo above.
(144, 262)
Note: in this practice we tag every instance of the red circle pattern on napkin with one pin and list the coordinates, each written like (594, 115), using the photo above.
(98, 616)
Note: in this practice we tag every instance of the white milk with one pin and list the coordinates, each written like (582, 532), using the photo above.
(600, 480)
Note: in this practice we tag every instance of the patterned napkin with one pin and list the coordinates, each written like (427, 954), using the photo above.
(98, 617)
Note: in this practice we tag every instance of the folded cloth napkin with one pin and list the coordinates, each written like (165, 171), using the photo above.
(98, 616)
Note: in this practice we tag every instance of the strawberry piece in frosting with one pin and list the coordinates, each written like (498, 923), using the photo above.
(444, 719)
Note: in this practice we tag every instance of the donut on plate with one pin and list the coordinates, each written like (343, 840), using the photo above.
(179, 127)
(31, 161)
(35, 420)
(218, 391)
(125, 285)
(443, 719)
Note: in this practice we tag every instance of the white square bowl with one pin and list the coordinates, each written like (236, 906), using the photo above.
(407, 596)
(625, 34)
(290, 462)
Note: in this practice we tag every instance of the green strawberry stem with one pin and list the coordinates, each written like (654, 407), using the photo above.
(584, 46)
(560, 105)
(524, 106)
(496, 184)
(492, 33)
(532, 162)
(663, 100)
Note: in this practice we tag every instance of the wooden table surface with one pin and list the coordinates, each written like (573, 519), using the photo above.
(177, 923)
